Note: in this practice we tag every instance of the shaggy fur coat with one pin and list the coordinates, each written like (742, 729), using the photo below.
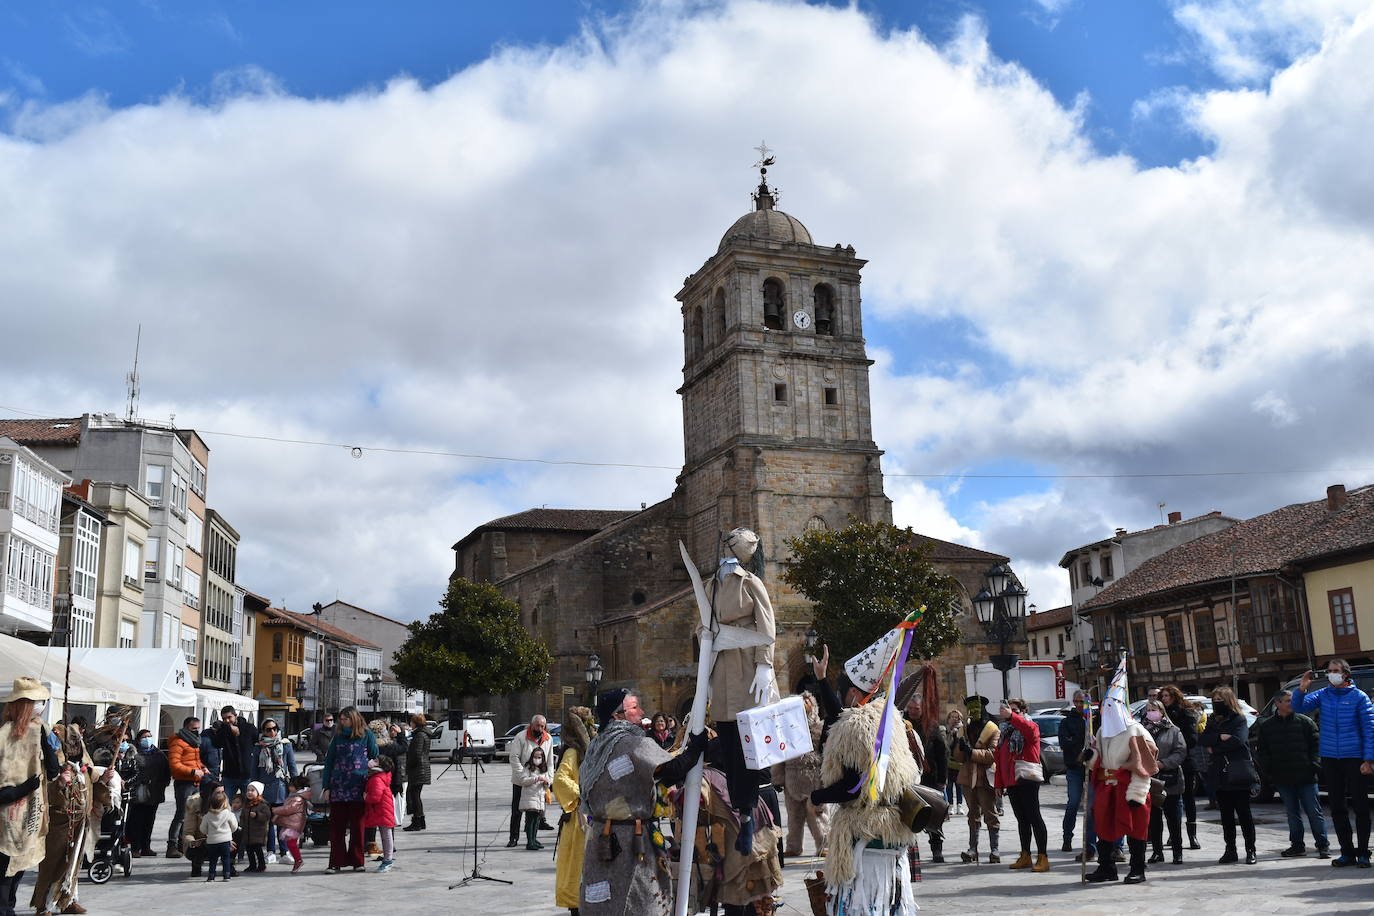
(850, 746)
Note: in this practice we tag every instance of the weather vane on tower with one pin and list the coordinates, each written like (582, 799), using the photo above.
(765, 197)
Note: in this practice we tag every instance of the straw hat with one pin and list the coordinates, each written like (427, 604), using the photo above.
(26, 688)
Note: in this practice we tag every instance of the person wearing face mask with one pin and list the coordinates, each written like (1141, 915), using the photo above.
(519, 750)
(183, 759)
(148, 789)
(1233, 772)
(1018, 770)
(1172, 752)
(1287, 753)
(1347, 749)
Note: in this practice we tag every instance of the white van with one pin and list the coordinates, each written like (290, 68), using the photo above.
(475, 739)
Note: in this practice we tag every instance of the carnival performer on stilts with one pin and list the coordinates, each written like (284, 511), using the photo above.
(1125, 760)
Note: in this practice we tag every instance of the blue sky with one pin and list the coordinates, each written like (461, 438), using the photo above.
(1117, 52)
(1104, 237)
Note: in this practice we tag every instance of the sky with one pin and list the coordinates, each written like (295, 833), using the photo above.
(1106, 241)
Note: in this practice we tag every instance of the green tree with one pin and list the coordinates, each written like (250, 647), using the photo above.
(475, 645)
(864, 579)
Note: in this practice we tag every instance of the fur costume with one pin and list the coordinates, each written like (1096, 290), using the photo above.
(1122, 777)
(856, 822)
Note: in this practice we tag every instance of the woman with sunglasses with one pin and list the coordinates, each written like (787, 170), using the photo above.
(276, 765)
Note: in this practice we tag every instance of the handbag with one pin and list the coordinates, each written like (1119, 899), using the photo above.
(1029, 771)
(1238, 772)
(1157, 793)
(142, 795)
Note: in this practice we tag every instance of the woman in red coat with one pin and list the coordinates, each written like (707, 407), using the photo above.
(379, 810)
(1020, 744)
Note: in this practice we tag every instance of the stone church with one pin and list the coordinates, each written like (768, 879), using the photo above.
(778, 437)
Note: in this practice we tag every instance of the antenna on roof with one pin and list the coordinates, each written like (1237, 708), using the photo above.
(1161, 512)
(132, 378)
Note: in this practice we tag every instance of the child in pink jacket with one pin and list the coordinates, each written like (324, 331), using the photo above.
(289, 817)
(379, 809)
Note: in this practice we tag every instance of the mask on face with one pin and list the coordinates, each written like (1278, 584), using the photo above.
(1219, 708)
(1336, 678)
(345, 729)
(123, 747)
(146, 743)
(40, 707)
(1153, 715)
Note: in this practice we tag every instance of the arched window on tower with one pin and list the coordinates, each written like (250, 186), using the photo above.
(774, 306)
(696, 341)
(825, 310)
(718, 315)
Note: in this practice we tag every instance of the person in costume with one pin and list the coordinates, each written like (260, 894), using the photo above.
(918, 696)
(741, 678)
(625, 870)
(571, 844)
(73, 826)
(1125, 760)
(799, 777)
(28, 760)
(865, 864)
(975, 744)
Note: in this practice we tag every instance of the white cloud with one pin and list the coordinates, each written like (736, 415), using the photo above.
(1244, 41)
(488, 266)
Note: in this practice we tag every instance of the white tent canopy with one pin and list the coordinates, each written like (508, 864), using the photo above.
(49, 665)
(165, 679)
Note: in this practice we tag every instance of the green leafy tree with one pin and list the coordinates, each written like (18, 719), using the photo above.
(475, 645)
(864, 579)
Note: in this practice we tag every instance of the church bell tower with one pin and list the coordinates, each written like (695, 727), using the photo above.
(775, 400)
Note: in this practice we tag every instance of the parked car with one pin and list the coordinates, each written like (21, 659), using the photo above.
(475, 739)
(1363, 677)
(1051, 757)
(504, 740)
(1138, 707)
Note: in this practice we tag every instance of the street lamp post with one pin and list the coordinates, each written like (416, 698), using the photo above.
(1000, 606)
(593, 675)
(374, 687)
(300, 703)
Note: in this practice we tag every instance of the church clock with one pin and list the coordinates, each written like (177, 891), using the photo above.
(801, 320)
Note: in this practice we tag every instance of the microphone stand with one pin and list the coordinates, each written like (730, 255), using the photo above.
(476, 874)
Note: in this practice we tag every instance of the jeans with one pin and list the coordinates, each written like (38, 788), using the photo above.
(1299, 800)
(1025, 804)
(515, 815)
(1235, 806)
(217, 854)
(953, 791)
(1075, 779)
(1343, 778)
(181, 790)
(9, 887)
(234, 786)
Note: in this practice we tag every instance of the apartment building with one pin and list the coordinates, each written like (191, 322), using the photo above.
(30, 535)
(78, 571)
(119, 585)
(389, 635)
(220, 597)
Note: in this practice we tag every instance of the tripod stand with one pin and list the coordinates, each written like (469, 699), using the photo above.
(476, 874)
(458, 762)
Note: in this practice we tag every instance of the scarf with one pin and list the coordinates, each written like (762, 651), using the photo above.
(270, 758)
(601, 750)
(190, 737)
(1013, 739)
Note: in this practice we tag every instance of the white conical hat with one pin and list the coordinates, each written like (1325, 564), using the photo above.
(867, 667)
(1116, 711)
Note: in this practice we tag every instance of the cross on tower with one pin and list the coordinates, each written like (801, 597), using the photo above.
(765, 155)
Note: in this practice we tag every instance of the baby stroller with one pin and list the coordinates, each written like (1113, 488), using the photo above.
(316, 812)
(110, 848)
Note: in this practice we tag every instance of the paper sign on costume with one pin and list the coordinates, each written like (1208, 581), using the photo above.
(774, 733)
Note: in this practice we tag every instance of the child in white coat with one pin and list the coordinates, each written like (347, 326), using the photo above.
(218, 825)
(535, 780)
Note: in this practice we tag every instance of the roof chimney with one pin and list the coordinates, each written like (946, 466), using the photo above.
(1120, 532)
(1335, 496)
(1175, 517)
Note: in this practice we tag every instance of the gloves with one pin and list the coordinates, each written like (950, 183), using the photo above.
(762, 688)
(696, 743)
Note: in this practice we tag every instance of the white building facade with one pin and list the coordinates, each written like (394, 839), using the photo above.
(30, 535)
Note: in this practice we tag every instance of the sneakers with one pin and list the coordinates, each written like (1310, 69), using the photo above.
(297, 867)
(386, 865)
(1362, 861)
(1343, 861)
(970, 855)
(994, 859)
(1323, 852)
(271, 858)
(1292, 852)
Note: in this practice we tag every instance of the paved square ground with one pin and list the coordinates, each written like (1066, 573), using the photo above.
(428, 862)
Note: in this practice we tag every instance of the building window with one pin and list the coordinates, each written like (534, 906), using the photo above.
(832, 397)
(637, 598)
(153, 489)
(29, 573)
(152, 552)
(1273, 624)
(718, 315)
(195, 533)
(1061, 643)
(825, 309)
(190, 589)
(277, 640)
(780, 392)
(1105, 561)
(198, 478)
(178, 494)
(774, 305)
(1176, 641)
(816, 523)
(1205, 628)
(174, 565)
(1140, 647)
(189, 638)
(276, 685)
(133, 561)
(36, 496)
(698, 332)
(126, 635)
(1085, 573)
(86, 553)
(1344, 629)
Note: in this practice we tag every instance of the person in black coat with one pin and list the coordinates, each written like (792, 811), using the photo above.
(917, 693)
(147, 784)
(237, 741)
(1073, 738)
(1231, 771)
(1182, 715)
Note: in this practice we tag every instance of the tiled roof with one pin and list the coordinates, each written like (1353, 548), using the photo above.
(948, 550)
(583, 520)
(310, 622)
(1259, 545)
(53, 432)
(1064, 561)
(1055, 617)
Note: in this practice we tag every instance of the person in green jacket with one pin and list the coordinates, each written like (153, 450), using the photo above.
(1287, 755)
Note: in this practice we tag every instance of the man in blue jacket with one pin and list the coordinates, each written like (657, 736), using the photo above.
(1347, 749)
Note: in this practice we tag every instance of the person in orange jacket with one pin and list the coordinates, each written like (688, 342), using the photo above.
(183, 758)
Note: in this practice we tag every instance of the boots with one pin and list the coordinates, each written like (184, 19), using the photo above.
(972, 854)
(1229, 856)
(1176, 843)
(1192, 837)
(1250, 857)
(373, 849)
(1022, 861)
(1137, 872)
(1106, 864)
(1042, 863)
(417, 822)
(531, 830)
(1157, 856)
(993, 857)
(937, 851)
